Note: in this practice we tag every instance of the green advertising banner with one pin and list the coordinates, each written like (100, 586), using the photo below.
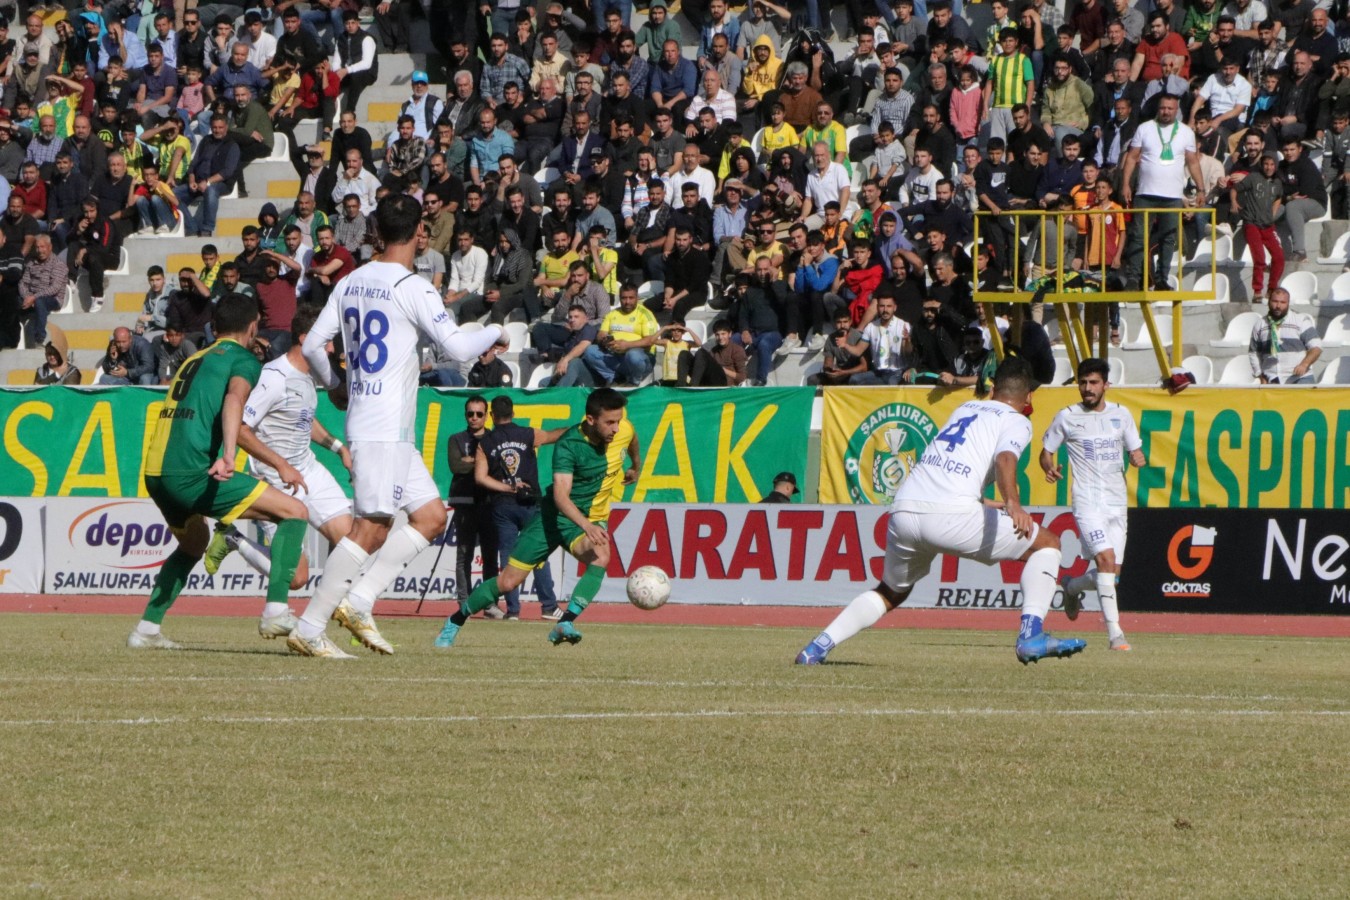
(698, 446)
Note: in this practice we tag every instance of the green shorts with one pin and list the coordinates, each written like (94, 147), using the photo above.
(182, 495)
(545, 532)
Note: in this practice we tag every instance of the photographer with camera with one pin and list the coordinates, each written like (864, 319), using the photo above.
(508, 469)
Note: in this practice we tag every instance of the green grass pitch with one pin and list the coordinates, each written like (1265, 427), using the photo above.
(654, 761)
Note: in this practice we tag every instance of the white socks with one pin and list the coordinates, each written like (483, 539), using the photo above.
(864, 612)
(1039, 580)
(147, 628)
(1106, 591)
(257, 556)
(400, 549)
(343, 566)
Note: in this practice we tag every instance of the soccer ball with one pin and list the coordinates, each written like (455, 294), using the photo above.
(648, 588)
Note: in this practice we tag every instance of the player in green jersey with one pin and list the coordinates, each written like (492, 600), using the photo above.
(573, 516)
(189, 473)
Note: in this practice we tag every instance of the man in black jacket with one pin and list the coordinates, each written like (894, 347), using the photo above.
(761, 306)
(358, 62)
(937, 339)
(296, 45)
(471, 519)
(1305, 198)
(687, 272)
(65, 191)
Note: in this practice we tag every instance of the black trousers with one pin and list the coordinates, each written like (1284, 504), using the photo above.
(473, 526)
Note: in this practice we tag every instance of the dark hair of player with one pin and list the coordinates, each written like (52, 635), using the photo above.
(234, 313)
(396, 218)
(304, 320)
(603, 400)
(1094, 366)
(1014, 378)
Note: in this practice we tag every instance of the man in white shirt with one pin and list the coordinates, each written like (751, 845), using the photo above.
(689, 171)
(381, 308)
(722, 103)
(1096, 434)
(940, 508)
(887, 338)
(262, 46)
(827, 182)
(356, 179)
(468, 268)
(1284, 344)
(1228, 95)
(1164, 153)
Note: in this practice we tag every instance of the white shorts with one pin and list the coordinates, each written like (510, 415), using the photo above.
(324, 499)
(1101, 530)
(387, 477)
(912, 540)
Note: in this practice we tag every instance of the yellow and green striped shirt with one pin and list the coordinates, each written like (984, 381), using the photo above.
(1010, 75)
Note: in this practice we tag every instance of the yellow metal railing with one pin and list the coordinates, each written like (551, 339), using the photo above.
(1066, 302)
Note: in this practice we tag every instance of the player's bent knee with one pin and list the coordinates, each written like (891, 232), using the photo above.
(893, 596)
(429, 519)
(510, 579)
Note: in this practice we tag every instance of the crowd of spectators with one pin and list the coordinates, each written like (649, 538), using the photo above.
(601, 183)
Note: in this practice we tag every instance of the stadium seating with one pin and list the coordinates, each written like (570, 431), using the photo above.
(1238, 371)
(1202, 367)
(1338, 331)
(1218, 283)
(1239, 331)
(541, 373)
(1145, 340)
(518, 334)
(1302, 287)
(1336, 372)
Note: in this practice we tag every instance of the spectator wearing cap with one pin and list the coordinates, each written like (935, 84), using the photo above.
(424, 107)
(28, 77)
(784, 489)
(262, 46)
(355, 60)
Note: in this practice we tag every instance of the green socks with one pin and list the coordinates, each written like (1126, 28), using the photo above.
(287, 545)
(172, 576)
(582, 595)
(482, 597)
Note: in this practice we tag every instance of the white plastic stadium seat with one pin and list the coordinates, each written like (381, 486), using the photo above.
(1340, 289)
(1202, 367)
(1115, 370)
(281, 148)
(757, 143)
(1239, 331)
(1338, 331)
(1207, 251)
(1336, 372)
(72, 301)
(123, 263)
(1338, 251)
(1144, 342)
(542, 372)
(1302, 287)
(516, 332)
(699, 328)
(1063, 371)
(1219, 286)
(650, 289)
(515, 371)
(546, 176)
(814, 368)
(1238, 371)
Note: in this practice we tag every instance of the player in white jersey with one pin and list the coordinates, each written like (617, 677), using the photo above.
(279, 413)
(940, 508)
(380, 309)
(1097, 435)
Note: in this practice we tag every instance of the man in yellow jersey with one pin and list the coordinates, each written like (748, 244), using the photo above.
(573, 515)
(189, 473)
(623, 350)
(1011, 82)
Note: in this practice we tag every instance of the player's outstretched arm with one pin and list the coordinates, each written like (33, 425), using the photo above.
(562, 498)
(1050, 466)
(1005, 477)
(437, 324)
(315, 348)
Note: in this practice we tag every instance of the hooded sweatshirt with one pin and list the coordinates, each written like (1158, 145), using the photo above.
(764, 78)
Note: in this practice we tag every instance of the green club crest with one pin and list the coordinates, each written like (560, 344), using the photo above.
(883, 450)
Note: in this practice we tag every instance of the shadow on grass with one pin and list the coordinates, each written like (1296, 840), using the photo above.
(234, 651)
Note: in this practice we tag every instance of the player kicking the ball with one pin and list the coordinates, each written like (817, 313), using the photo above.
(939, 508)
(574, 516)
(1097, 435)
(189, 471)
(279, 414)
(380, 308)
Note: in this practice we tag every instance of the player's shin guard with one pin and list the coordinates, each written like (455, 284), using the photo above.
(865, 611)
(343, 566)
(1106, 592)
(287, 545)
(582, 595)
(168, 584)
(480, 599)
(401, 548)
(1039, 577)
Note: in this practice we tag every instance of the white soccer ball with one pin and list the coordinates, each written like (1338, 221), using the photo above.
(648, 588)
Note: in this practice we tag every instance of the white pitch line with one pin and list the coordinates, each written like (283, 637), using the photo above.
(938, 712)
(622, 682)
